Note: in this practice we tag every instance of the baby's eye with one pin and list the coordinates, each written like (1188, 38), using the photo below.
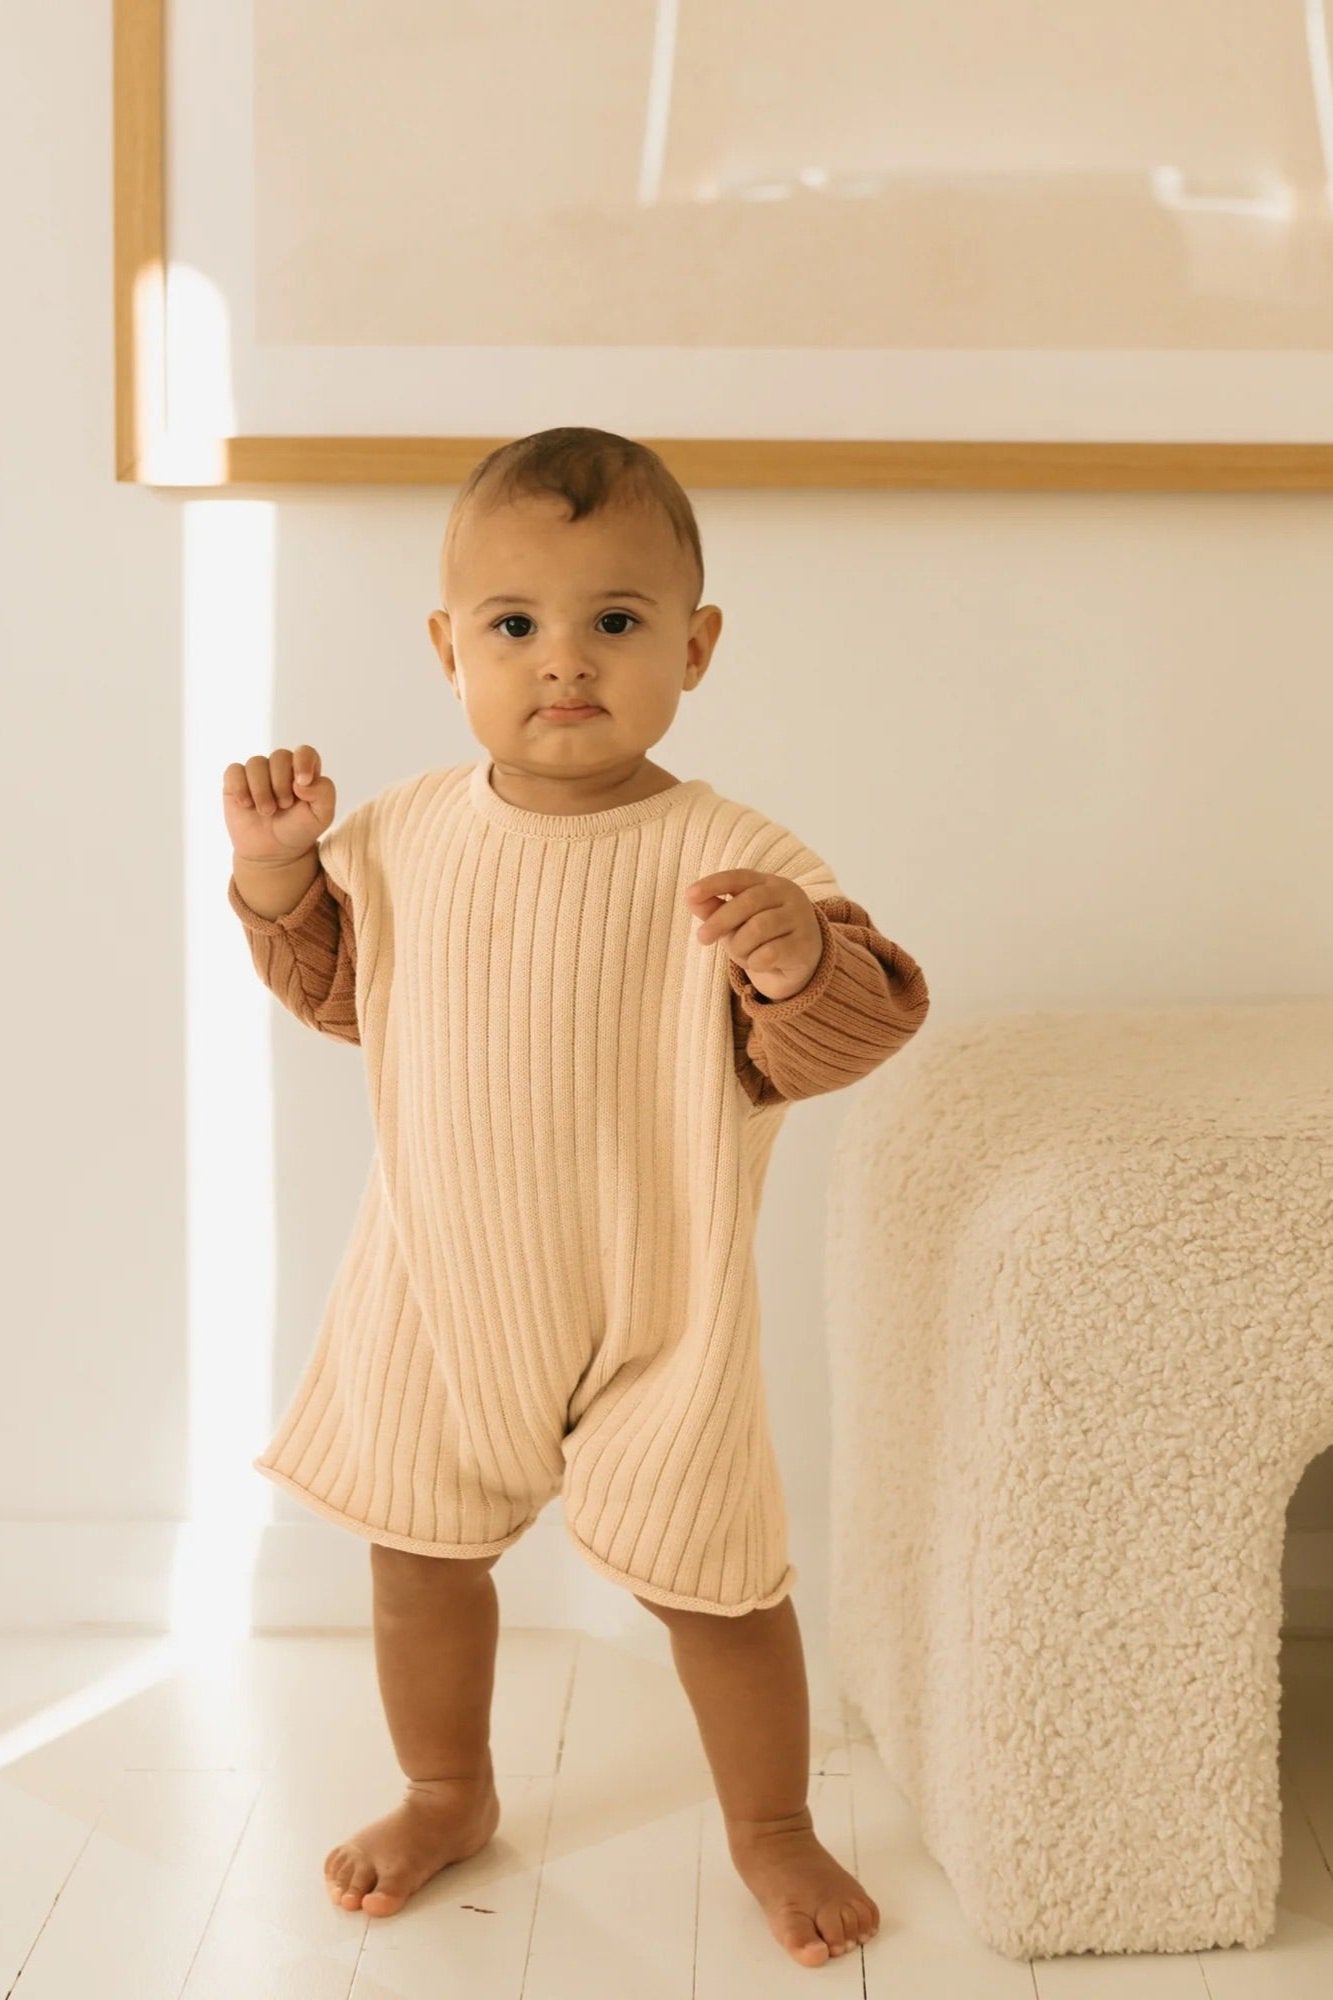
(521, 617)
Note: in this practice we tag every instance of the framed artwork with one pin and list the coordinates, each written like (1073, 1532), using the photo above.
(998, 244)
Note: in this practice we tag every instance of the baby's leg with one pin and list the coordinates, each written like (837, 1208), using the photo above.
(745, 1680)
(437, 1621)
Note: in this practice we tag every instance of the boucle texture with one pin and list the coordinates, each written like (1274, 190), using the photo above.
(550, 1283)
(1080, 1310)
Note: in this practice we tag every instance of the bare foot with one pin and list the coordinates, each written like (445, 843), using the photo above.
(814, 1907)
(440, 1820)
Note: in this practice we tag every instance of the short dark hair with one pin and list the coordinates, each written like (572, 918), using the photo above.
(588, 468)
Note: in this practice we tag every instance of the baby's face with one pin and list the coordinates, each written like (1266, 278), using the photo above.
(604, 619)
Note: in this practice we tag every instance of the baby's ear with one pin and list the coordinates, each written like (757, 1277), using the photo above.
(440, 626)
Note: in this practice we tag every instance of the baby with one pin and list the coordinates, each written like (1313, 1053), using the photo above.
(585, 992)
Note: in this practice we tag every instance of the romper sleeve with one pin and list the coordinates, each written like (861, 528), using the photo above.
(308, 956)
(864, 1000)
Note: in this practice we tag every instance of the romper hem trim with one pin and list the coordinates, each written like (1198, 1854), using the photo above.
(388, 1536)
(676, 1600)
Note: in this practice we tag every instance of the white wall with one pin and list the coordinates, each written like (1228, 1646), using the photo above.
(1072, 751)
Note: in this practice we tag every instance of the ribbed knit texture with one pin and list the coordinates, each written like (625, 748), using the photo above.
(550, 1283)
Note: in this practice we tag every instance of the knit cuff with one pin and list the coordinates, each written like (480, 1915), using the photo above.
(795, 1003)
(290, 919)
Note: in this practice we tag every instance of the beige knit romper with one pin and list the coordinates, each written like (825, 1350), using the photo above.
(549, 1285)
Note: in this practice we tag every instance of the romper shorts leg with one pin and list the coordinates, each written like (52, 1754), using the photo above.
(374, 1437)
(672, 1485)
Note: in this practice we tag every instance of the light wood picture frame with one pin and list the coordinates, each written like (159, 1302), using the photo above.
(1280, 396)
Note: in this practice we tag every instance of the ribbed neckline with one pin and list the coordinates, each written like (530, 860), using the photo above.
(572, 826)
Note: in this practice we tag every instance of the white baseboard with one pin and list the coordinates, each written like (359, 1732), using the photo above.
(308, 1576)
(312, 1576)
(116, 1576)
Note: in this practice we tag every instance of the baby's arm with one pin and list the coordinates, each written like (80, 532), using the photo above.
(307, 956)
(864, 1000)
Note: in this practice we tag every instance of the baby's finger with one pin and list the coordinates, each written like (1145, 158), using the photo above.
(306, 760)
(236, 785)
(261, 788)
(280, 771)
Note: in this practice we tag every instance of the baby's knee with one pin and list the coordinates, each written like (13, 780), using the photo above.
(658, 1610)
(410, 1572)
(675, 1614)
(718, 1620)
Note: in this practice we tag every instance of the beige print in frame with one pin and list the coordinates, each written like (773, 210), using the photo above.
(1141, 278)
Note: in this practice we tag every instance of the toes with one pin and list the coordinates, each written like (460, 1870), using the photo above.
(837, 1932)
(363, 1878)
(797, 1932)
(384, 1900)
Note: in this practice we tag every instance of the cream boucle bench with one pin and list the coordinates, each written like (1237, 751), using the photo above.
(1080, 1311)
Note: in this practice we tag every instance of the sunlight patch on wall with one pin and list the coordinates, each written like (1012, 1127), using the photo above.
(227, 667)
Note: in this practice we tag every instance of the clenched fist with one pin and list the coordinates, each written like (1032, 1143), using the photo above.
(276, 807)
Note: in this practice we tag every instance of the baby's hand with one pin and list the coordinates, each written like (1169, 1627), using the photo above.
(769, 927)
(275, 813)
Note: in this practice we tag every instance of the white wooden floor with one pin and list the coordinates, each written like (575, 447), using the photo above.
(170, 1844)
